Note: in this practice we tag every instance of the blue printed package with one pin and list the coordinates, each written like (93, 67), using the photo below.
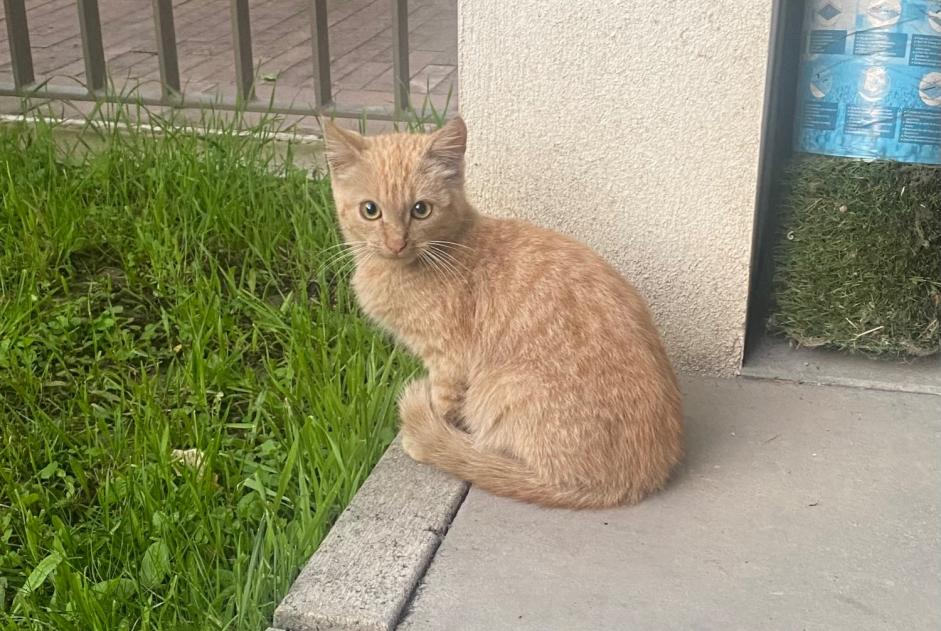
(870, 80)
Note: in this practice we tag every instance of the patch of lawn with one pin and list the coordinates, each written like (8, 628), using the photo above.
(168, 292)
(858, 266)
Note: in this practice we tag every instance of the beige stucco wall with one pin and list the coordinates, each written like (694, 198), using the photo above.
(633, 126)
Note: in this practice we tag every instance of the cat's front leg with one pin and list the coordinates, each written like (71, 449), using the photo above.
(447, 394)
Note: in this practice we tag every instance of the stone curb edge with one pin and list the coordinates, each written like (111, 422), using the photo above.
(365, 571)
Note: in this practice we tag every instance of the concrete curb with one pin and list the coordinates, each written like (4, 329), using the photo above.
(365, 571)
(773, 358)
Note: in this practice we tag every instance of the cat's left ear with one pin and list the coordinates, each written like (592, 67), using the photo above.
(446, 153)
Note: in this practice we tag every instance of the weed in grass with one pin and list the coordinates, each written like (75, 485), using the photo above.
(164, 290)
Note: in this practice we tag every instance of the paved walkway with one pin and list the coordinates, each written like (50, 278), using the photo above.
(360, 45)
(799, 507)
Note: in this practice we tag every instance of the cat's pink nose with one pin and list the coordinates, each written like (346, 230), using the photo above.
(396, 245)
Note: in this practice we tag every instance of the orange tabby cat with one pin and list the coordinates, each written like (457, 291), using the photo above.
(547, 380)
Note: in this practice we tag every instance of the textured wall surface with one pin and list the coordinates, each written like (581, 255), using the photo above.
(633, 126)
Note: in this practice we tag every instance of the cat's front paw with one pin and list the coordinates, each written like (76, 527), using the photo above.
(417, 419)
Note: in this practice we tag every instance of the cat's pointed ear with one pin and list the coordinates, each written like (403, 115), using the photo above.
(342, 146)
(446, 152)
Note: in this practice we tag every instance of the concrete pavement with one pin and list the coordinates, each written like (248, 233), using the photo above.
(799, 507)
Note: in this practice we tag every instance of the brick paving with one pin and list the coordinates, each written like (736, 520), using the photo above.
(360, 48)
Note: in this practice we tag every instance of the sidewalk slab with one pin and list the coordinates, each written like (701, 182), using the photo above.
(798, 507)
(365, 570)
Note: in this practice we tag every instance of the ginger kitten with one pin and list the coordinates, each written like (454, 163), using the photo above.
(547, 381)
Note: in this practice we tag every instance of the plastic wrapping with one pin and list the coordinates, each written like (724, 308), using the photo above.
(870, 80)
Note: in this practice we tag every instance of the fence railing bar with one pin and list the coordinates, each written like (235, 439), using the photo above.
(320, 42)
(198, 102)
(242, 45)
(21, 54)
(166, 48)
(93, 51)
(400, 72)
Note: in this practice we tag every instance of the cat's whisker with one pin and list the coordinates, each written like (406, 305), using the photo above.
(341, 244)
(453, 243)
(347, 248)
(427, 257)
(452, 272)
(457, 273)
(330, 250)
(440, 248)
(341, 250)
(451, 258)
(346, 267)
(351, 252)
(335, 256)
(358, 257)
(368, 256)
(332, 262)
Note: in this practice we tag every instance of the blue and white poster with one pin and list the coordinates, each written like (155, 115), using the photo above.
(870, 80)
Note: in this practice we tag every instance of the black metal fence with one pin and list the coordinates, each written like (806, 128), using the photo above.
(96, 78)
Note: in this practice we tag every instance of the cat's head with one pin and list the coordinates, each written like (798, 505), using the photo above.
(396, 194)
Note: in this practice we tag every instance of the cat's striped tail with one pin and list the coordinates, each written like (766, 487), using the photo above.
(431, 439)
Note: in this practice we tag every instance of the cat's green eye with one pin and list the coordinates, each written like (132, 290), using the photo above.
(370, 211)
(421, 210)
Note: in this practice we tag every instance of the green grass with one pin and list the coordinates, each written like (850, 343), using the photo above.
(168, 291)
(858, 267)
